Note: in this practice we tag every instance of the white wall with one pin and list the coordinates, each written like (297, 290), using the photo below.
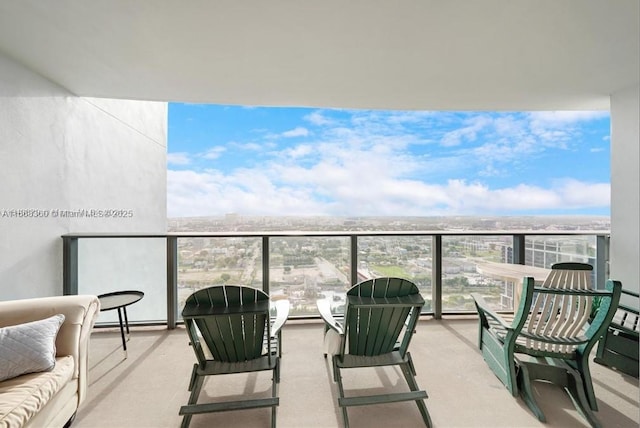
(625, 187)
(62, 152)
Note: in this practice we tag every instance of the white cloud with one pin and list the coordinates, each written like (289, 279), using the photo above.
(367, 167)
(559, 128)
(496, 145)
(564, 117)
(476, 198)
(298, 151)
(466, 133)
(178, 158)
(579, 194)
(207, 193)
(333, 189)
(318, 119)
(411, 117)
(253, 147)
(214, 152)
(296, 132)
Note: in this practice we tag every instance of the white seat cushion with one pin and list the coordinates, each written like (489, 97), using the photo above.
(24, 396)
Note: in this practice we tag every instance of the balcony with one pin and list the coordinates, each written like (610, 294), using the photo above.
(148, 388)
(72, 137)
(462, 389)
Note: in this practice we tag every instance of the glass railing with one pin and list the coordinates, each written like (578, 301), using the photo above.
(306, 266)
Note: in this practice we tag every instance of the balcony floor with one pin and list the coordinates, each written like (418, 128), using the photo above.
(148, 388)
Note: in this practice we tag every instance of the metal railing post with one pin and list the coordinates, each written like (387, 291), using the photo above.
(519, 255)
(69, 266)
(265, 264)
(602, 260)
(172, 282)
(353, 256)
(436, 276)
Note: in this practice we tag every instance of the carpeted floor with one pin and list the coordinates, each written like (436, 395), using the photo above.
(147, 388)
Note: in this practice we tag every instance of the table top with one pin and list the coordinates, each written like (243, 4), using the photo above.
(119, 299)
(513, 272)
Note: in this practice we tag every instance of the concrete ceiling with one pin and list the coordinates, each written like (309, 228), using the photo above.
(388, 54)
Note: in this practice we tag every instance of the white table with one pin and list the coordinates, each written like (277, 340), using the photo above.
(513, 273)
(120, 300)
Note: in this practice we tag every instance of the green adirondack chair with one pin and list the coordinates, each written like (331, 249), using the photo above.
(231, 331)
(379, 320)
(550, 337)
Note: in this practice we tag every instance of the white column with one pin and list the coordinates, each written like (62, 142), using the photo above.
(625, 187)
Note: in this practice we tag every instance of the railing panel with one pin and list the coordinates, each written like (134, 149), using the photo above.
(461, 257)
(407, 257)
(116, 264)
(544, 251)
(305, 269)
(207, 261)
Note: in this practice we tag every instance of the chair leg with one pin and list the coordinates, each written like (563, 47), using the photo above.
(274, 391)
(337, 377)
(335, 368)
(480, 333)
(512, 375)
(409, 372)
(194, 376)
(195, 386)
(558, 373)
(576, 389)
(526, 392)
(582, 367)
(273, 416)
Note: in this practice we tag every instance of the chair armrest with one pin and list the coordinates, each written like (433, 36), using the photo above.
(282, 313)
(324, 307)
(485, 311)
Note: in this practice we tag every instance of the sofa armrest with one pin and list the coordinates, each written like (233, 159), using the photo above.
(73, 338)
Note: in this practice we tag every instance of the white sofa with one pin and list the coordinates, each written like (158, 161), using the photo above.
(50, 399)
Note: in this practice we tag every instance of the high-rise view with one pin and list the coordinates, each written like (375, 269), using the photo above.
(243, 169)
(303, 269)
(320, 214)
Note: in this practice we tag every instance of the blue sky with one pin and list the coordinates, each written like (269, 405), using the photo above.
(275, 161)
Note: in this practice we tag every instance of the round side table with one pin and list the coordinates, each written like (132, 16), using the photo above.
(120, 300)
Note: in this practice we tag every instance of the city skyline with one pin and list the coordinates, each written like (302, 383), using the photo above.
(235, 222)
(260, 161)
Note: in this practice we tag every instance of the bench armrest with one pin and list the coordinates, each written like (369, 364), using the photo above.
(73, 338)
(485, 311)
(282, 313)
(324, 307)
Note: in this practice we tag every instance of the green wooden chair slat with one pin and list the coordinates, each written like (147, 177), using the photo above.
(379, 321)
(230, 329)
(393, 321)
(212, 338)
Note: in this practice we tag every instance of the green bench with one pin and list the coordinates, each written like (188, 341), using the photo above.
(618, 347)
